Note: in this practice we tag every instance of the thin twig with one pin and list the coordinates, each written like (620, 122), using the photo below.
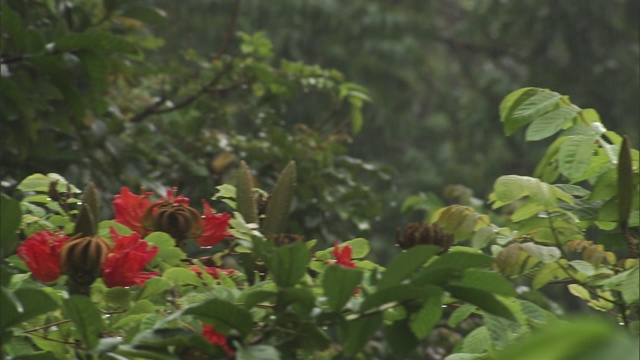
(229, 32)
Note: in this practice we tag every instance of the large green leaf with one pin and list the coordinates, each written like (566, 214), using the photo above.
(525, 105)
(219, 311)
(579, 339)
(400, 338)
(484, 300)
(509, 188)
(423, 321)
(510, 103)
(86, 318)
(575, 155)
(11, 216)
(339, 283)
(406, 263)
(357, 332)
(399, 293)
(490, 281)
(289, 263)
(550, 123)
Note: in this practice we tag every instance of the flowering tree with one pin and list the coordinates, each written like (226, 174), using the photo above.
(165, 281)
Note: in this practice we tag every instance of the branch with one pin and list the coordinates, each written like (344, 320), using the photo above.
(229, 32)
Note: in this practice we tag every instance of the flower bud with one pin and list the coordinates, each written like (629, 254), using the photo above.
(81, 259)
(423, 234)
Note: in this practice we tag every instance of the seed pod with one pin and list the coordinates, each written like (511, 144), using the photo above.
(81, 259)
(423, 234)
(178, 220)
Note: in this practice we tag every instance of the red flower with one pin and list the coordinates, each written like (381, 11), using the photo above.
(215, 226)
(211, 335)
(343, 257)
(41, 253)
(123, 266)
(212, 270)
(129, 209)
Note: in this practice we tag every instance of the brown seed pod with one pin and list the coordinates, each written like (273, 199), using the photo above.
(423, 234)
(178, 220)
(81, 258)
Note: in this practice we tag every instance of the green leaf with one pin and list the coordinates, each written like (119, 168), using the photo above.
(533, 312)
(630, 291)
(399, 293)
(182, 276)
(575, 155)
(501, 330)
(289, 263)
(168, 253)
(423, 321)
(94, 40)
(144, 352)
(546, 273)
(24, 304)
(219, 311)
(245, 198)
(484, 300)
(254, 297)
(359, 247)
(490, 281)
(462, 260)
(299, 300)
(407, 263)
(117, 296)
(400, 338)
(11, 216)
(86, 318)
(584, 339)
(152, 287)
(509, 188)
(339, 283)
(258, 352)
(279, 202)
(550, 123)
(438, 276)
(357, 332)
(511, 103)
(584, 267)
(546, 254)
(477, 341)
(460, 314)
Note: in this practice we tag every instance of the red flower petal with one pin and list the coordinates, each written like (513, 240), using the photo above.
(211, 335)
(343, 256)
(215, 226)
(129, 209)
(212, 270)
(41, 253)
(123, 266)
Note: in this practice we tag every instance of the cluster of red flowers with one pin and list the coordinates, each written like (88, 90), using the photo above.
(129, 254)
(130, 210)
(121, 267)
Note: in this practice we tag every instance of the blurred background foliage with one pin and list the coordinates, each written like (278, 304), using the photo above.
(375, 100)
